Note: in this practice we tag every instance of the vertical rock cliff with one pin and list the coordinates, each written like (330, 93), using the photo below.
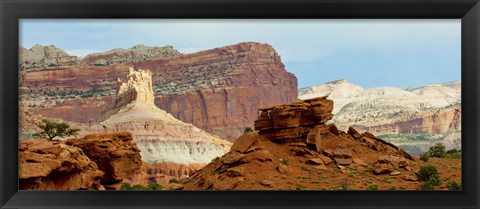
(217, 90)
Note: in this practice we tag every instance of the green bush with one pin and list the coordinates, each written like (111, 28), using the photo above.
(426, 172)
(454, 154)
(437, 151)
(454, 185)
(372, 187)
(174, 180)
(138, 187)
(431, 183)
(126, 186)
(424, 157)
(52, 129)
(429, 174)
(247, 130)
(154, 186)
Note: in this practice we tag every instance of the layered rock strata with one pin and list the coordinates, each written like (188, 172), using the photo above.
(217, 90)
(160, 136)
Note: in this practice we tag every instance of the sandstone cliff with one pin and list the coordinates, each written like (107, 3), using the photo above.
(160, 136)
(217, 90)
(94, 162)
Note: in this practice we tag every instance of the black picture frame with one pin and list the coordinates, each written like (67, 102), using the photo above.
(13, 10)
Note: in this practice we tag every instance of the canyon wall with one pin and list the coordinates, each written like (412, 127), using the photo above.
(217, 90)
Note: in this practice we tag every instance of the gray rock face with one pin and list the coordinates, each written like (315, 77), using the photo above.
(45, 56)
(133, 54)
(51, 56)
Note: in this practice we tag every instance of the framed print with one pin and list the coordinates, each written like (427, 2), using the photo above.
(228, 104)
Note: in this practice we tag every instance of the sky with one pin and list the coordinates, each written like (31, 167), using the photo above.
(369, 53)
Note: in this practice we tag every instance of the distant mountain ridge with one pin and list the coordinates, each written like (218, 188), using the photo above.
(51, 56)
(420, 112)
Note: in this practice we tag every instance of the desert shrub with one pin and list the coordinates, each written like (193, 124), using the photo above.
(174, 180)
(369, 167)
(426, 172)
(284, 160)
(393, 188)
(126, 186)
(431, 183)
(454, 185)
(424, 157)
(372, 187)
(247, 130)
(52, 129)
(429, 174)
(154, 186)
(454, 154)
(138, 187)
(437, 151)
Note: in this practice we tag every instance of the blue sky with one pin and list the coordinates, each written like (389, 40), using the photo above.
(370, 53)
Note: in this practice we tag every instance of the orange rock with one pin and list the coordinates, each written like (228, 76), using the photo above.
(244, 142)
(52, 165)
(115, 154)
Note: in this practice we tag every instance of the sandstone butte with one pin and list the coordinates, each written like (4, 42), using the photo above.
(293, 148)
(95, 162)
(217, 90)
(160, 136)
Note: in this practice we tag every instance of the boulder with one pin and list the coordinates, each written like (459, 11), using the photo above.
(359, 161)
(115, 154)
(342, 153)
(52, 165)
(328, 152)
(380, 168)
(244, 142)
(266, 182)
(333, 129)
(235, 171)
(232, 157)
(315, 161)
(282, 168)
(354, 133)
(343, 161)
(326, 160)
(395, 173)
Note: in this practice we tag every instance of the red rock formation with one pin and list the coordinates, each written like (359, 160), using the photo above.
(217, 90)
(52, 165)
(293, 139)
(115, 154)
(93, 162)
